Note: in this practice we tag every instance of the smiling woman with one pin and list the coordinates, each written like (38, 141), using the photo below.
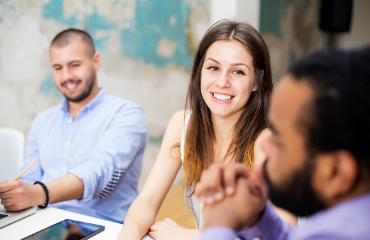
(227, 80)
(223, 122)
(230, 92)
(228, 96)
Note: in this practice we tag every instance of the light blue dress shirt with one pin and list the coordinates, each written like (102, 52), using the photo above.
(103, 146)
(349, 220)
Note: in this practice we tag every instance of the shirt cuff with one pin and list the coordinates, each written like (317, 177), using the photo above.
(270, 227)
(218, 233)
(82, 173)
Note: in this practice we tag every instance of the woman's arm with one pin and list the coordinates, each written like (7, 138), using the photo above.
(144, 209)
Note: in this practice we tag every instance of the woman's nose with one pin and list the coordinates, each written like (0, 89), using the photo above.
(222, 81)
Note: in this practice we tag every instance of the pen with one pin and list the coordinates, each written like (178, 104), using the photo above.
(25, 170)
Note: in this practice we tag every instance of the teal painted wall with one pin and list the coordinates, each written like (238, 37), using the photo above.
(152, 21)
(291, 30)
(146, 48)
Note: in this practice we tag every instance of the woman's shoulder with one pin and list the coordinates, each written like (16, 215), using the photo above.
(179, 118)
(179, 114)
(176, 123)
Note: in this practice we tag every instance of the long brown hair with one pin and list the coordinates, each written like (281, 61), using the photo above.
(200, 135)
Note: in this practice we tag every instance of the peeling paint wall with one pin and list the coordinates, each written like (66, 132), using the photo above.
(291, 30)
(146, 46)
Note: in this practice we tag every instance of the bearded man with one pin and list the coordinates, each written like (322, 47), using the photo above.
(318, 159)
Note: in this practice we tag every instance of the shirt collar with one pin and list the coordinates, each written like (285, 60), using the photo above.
(93, 103)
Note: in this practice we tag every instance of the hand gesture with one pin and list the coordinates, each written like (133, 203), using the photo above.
(233, 195)
(239, 211)
(219, 181)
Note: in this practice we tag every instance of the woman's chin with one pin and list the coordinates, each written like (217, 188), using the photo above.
(222, 114)
(225, 113)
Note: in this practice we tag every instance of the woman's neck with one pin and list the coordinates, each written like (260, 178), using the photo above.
(223, 127)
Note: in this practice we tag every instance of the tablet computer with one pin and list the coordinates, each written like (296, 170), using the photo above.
(67, 230)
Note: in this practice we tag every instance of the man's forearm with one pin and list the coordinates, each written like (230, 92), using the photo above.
(65, 188)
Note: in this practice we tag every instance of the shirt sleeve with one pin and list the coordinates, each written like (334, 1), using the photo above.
(218, 233)
(270, 227)
(125, 137)
(32, 152)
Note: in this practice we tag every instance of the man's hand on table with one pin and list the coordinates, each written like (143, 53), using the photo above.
(232, 195)
(18, 195)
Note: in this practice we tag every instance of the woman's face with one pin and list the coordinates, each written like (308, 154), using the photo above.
(227, 78)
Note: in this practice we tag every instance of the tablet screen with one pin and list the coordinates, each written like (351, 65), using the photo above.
(67, 230)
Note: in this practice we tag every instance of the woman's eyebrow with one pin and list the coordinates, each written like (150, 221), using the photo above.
(233, 64)
(238, 64)
(213, 60)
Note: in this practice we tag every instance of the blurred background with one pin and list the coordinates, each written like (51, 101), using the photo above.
(147, 48)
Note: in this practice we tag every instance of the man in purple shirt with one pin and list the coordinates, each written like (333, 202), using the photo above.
(318, 159)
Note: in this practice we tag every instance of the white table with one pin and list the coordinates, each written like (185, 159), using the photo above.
(46, 217)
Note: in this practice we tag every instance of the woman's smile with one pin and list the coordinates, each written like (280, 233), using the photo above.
(221, 97)
(227, 72)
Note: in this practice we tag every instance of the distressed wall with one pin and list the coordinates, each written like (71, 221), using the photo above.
(146, 46)
(291, 30)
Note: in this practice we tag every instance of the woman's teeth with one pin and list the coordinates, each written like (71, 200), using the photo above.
(222, 97)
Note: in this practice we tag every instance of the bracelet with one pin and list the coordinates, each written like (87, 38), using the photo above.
(46, 193)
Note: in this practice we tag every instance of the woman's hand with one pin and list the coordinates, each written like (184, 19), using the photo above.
(170, 230)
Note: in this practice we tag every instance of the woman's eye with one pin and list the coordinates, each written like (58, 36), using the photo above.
(213, 68)
(238, 72)
(75, 65)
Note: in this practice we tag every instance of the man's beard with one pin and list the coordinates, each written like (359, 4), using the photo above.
(85, 93)
(297, 196)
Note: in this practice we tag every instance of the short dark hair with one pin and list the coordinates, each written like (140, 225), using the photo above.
(338, 117)
(70, 35)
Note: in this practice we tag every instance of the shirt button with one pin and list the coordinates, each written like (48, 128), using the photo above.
(68, 143)
(70, 120)
(64, 169)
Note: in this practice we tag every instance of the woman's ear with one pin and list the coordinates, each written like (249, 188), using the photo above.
(255, 87)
